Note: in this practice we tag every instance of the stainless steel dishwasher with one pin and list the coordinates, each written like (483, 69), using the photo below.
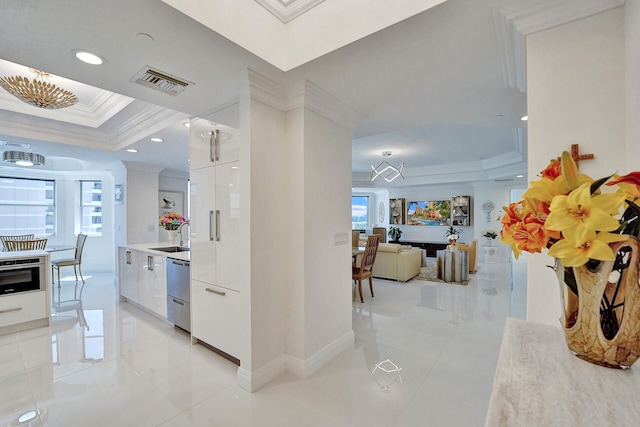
(178, 300)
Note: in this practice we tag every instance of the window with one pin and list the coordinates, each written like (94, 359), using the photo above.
(27, 206)
(359, 212)
(91, 207)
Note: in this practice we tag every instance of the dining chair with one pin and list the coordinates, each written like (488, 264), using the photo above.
(364, 271)
(15, 237)
(25, 245)
(75, 262)
(382, 231)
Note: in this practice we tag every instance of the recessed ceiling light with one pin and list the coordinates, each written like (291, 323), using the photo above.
(132, 150)
(156, 139)
(524, 118)
(88, 57)
(519, 176)
(187, 125)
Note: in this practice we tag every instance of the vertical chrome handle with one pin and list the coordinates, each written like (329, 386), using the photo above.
(212, 225)
(150, 263)
(217, 225)
(214, 146)
(127, 257)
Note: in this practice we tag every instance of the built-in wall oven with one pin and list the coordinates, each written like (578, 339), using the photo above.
(22, 274)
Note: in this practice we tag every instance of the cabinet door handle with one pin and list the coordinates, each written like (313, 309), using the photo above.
(217, 225)
(150, 263)
(213, 291)
(214, 146)
(212, 225)
(9, 310)
(177, 302)
(128, 257)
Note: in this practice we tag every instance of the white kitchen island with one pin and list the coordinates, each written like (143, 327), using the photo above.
(22, 309)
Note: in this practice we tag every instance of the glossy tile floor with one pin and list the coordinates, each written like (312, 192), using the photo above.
(127, 368)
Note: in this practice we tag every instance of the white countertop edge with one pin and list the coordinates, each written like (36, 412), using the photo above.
(147, 247)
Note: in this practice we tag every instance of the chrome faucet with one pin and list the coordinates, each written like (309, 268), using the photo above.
(180, 230)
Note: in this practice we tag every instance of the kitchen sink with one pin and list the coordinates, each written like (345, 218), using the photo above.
(171, 249)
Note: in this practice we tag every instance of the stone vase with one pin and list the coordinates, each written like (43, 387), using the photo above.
(602, 322)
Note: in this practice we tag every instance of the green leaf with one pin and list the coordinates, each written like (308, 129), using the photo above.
(598, 183)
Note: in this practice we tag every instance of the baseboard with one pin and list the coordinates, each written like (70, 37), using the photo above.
(252, 381)
(305, 368)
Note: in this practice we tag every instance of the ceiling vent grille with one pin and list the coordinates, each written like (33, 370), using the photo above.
(161, 81)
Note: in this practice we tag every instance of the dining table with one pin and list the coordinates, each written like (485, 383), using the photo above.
(354, 254)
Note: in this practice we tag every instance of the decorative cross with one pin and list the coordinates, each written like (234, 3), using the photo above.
(575, 153)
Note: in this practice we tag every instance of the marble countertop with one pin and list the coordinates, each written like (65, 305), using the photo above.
(148, 247)
(539, 382)
(22, 254)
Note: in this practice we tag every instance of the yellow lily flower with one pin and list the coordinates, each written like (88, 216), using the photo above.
(579, 213)
(595, 246)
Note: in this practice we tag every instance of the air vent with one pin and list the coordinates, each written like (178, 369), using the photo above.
(161, 81)
(503, 179)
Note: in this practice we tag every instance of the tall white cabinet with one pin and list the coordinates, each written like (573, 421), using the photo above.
(215, 227)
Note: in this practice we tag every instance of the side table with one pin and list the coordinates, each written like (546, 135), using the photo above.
(453, 266)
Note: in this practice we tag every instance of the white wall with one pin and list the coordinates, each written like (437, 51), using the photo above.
(576, 94)
(141, 200)
(178, 183)
(499, 194)
(632, 67)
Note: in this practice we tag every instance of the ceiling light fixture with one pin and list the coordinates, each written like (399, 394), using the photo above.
(88, 57)
(39, 93)
(386, 170)
(524, 118)
(132, 150)
(22, 158)
(156, 139)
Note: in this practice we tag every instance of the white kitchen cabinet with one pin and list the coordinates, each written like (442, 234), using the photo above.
(143, 279)
(23, 307)
(214, 309)
(128, 277)
(215, 225)
(215, 232)
(215, 138)
(152, 283)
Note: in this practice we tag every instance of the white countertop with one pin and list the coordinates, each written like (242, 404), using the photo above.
(539, 382)
(22, 254)
(147, 247)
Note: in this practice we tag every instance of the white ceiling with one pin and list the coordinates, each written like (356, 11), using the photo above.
(432, 87)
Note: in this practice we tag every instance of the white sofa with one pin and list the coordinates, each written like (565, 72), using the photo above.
(397, 263)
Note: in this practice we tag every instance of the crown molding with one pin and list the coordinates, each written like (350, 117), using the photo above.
(305, 94)
(93, 114)
(316, 99)
(514, 20)
(265, 90)
(146, 122)
(287, 10)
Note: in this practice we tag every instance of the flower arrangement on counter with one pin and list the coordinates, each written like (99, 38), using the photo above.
(572, 215)
(489, 234)
(171, 221)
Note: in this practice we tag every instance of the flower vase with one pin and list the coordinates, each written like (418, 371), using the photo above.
(602, 322)
(172, 236)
